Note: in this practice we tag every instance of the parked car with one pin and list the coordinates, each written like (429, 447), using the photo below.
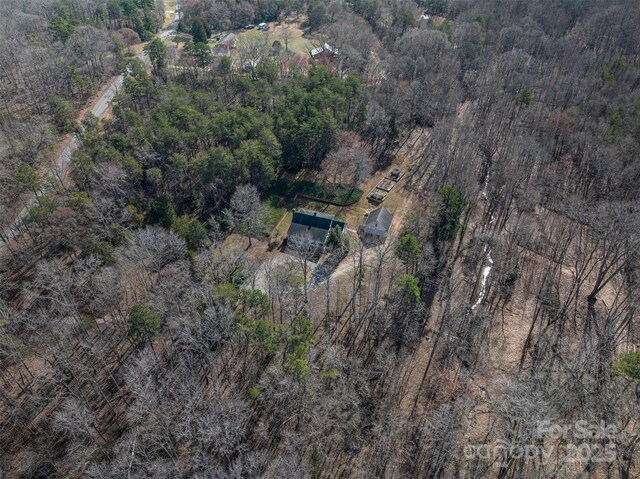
(251, 26)
(376, 198)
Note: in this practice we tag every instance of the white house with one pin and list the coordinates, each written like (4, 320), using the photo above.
(376, 227)
(326, 49)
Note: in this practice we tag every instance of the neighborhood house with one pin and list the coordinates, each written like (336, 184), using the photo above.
(376, 226)
(224, 46)
(314, 225)
(325, 49)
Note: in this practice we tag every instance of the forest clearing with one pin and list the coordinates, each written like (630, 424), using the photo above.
(289, 34)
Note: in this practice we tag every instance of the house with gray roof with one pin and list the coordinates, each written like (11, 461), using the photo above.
(375, 228)
(314, 225)
(224, 46)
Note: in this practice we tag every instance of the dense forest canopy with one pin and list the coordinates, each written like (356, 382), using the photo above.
(155, 320)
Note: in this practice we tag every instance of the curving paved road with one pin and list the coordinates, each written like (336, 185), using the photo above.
(62, 164)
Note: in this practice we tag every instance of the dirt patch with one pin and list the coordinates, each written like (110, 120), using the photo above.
(386, 185)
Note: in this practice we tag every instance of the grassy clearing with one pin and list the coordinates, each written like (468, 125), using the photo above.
(275, 213)
(288, 189)
(278, 31)
(169, 12)
(178, 38)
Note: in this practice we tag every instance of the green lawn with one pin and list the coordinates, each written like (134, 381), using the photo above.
(297, 43)
(178, 38)
(288, 189)
(169, 5)
(275, 214)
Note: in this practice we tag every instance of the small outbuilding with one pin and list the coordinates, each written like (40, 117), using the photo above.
(376, 227)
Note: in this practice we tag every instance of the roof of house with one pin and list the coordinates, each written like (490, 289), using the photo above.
(318, 235)
(380, 219)
(314, 223)
(324, 47)
(315, 214)
(230, 38)
(250, 63)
